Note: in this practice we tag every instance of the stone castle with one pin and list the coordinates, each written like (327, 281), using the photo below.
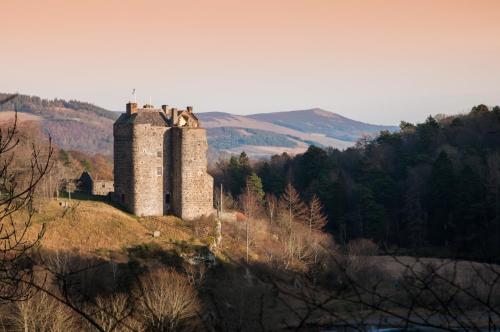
(160, 162)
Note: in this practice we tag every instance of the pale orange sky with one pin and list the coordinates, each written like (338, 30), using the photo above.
(376, 61)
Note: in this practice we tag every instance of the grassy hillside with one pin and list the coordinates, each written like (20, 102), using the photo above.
(93, 226)
(109, 258)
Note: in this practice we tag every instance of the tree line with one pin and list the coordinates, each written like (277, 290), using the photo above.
(37, 105)
(429, 188)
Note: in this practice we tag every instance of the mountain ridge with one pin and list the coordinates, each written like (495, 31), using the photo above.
(76, 125)
(317, 120)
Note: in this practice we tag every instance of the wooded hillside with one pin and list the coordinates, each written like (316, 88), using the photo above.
(431, 185)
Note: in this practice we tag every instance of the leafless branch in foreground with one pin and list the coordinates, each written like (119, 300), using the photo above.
(16, 211)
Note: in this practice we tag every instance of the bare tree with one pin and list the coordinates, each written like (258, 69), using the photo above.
(112, 311)
(271, 207)
(397, 291)
(15, 197)
(167, 301)
(292, 212)
(42, 313)
(250, 205)
(316, 219)
(292, 208)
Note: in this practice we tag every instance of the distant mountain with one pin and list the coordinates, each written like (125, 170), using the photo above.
(320, 121)
(293, 131)
(81, 126)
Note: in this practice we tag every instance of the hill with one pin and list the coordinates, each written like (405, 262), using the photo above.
(319, 121)
(279, 132)
(73, 125)
(85, 127)
(98, 258)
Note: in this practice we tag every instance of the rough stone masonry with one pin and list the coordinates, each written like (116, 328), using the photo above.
(160, 163)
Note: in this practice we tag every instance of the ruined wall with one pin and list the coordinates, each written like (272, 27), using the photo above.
(102, 187)
(193, 186)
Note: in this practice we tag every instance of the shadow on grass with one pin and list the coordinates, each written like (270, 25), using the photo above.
(82, 196)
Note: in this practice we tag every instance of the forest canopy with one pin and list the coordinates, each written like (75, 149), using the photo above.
(432, 185)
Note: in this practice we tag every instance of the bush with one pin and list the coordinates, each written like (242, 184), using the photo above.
(167, 301)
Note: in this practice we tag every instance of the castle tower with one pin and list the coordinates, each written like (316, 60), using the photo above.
(160, 164)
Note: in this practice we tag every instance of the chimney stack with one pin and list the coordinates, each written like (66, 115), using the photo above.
(173, 117)
(190, 109)
(164, 108)
(131, 108)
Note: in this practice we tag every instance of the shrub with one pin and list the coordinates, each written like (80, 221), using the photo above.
(167, 301)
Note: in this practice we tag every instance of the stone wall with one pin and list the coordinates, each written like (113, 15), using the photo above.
(148, 151)
(102, 187)
(161, 169)
(193, 186)
(123, 171)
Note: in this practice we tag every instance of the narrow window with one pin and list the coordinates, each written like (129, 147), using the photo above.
(158, 154)
(158, 171)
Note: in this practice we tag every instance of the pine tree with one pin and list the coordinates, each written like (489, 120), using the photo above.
(442, 195)
(254, 184)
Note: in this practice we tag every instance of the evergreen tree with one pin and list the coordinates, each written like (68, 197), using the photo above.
(469, 210)
(254, 184)
(479, 109)
(236, 173)
(442, 191)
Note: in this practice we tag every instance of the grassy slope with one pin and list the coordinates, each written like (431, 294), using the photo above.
(96, 227)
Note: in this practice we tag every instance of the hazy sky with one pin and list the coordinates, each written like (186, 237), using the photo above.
(376, 61)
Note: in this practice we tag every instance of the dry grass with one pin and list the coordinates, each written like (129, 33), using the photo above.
(171, 228)
(93, 227)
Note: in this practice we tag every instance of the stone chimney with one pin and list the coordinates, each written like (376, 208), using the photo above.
(164, 108)
(189, 109)
(173, 117)
(131, 108)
